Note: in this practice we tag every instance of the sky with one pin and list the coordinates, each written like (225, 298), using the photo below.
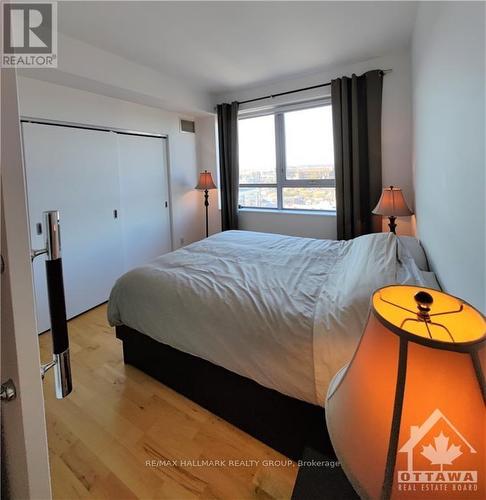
(308, 136)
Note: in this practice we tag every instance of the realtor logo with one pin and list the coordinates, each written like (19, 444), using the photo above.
(438, 445)
(29, 35)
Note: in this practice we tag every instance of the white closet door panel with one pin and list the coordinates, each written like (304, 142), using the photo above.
(144, 192)
(76, 171)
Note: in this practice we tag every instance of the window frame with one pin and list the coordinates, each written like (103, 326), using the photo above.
(280, 157)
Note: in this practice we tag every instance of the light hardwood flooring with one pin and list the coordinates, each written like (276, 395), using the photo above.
(117, 418)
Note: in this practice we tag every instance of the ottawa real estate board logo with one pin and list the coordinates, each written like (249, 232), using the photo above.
(29, 35)
(439, 460)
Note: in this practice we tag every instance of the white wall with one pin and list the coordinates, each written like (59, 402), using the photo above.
(85, 67)
(293, 224)
(449, 136)
(396, 140)
(41, 99)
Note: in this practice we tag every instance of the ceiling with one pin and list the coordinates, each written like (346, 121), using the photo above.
(224, 46)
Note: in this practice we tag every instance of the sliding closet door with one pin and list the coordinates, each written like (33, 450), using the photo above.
(144, 198)
(76, 171)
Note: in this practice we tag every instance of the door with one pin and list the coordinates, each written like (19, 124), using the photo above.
(144, 198)
(75, 171)
(25, 461)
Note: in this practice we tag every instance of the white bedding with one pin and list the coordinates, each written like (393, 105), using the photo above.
(286, 312)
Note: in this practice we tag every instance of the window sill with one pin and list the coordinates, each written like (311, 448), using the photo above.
(326, 213)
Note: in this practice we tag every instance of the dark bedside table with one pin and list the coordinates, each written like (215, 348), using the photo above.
(320, 482)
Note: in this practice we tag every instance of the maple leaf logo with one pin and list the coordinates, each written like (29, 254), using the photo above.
(441, 454)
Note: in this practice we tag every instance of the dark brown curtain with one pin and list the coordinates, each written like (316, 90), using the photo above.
(356, 114)
(228, 163)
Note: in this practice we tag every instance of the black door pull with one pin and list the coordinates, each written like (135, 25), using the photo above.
(57, 307)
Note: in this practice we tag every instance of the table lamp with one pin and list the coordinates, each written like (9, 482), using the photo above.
(392, 204)
(407, 415)
(206, 183)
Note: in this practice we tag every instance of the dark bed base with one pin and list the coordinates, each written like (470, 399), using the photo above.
(285, 424)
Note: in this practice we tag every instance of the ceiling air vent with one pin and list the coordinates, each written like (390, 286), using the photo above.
(188, 126)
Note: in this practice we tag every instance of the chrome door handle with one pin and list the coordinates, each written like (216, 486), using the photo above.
(8, 391)
(57, 307)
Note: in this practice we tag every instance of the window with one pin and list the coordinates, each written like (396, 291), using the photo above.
(287, 160)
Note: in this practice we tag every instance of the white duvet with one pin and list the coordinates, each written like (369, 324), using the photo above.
(286, 312)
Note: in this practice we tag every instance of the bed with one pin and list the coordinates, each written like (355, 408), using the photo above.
(274, 315)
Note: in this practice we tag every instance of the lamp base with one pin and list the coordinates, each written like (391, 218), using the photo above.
(392, 224)
(206, 204)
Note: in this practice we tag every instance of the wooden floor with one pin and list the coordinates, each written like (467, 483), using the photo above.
(104, 436)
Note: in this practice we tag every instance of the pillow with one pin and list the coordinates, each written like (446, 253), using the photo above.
(412, 246)
(408, 272)
(430, 280)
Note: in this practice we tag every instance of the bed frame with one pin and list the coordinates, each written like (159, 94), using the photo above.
(285, 424)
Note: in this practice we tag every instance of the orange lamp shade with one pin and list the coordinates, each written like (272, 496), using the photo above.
(407, 416)
(205, 181)
(392, 203)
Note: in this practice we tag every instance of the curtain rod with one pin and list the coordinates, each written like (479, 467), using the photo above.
(271, 96)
